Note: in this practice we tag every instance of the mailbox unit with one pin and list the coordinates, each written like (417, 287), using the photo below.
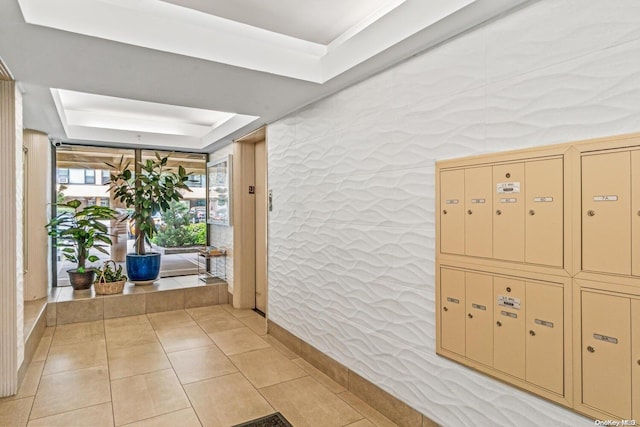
(538, 271)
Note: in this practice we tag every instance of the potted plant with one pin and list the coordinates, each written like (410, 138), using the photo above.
(149, 191)
(109, 280)
(77, 230)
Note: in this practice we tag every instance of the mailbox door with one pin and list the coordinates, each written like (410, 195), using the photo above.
(452, 308)
(606, 225)
(606, 353)
(479, 320)
(544, 212)
(478, 211)
(545, 336)
(452, 212)
(508, 207)
(509, 326)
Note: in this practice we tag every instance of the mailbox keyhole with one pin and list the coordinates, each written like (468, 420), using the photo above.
(508, 289)
(508, 175)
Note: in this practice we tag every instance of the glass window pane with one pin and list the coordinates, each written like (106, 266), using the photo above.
(76, 176)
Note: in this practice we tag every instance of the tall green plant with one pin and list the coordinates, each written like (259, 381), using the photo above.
(78, 229)
(148, 192)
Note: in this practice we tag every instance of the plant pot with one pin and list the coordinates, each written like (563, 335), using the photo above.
(82, 280)
(143, 269)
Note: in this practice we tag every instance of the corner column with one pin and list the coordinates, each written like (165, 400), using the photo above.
(11, 250)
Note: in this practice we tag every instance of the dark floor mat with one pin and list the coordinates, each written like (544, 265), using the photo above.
(273, 420)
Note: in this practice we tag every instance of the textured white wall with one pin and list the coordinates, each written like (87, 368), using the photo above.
(352, 232)
(219, 235)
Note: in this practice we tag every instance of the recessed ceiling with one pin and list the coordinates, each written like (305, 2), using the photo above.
(259, 60)
(188, 31)
(97, 117)
(316, 21)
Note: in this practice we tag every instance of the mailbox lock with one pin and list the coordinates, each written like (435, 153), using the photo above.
(532, 333)
(470, 316)
(638, 213)
(469, 211)
(590, 349)
(508, 175)
(532, 212)
(444, 212)
(498, 212)
(445, 308)
(638, 361)
(591, 212)
(508, 289)
(499, 323)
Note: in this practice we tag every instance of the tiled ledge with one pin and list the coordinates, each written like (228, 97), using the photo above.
(173, 293)
(34, 325)
(391, 407)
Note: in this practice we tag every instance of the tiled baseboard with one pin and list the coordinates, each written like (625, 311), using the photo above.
(391, 407)
(85, 306)
(32, 338)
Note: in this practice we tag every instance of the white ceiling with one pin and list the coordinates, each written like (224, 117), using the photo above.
(195, 74)
(316, 21)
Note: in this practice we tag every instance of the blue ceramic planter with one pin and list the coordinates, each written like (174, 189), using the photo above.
(143, 268)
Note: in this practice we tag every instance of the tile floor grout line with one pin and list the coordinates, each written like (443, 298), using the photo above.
(35, 394)
(166, 354)
(106, 350)
(68, 412)
(237, 368)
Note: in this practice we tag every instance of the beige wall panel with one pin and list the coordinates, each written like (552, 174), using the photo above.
(478, 205)
(509, 326)
(479, 321)
(261, 225)
(544, 212)
(635, 213)
(545, 336)
(37, 195)
(452, 325)
(244, 236)
(606, 368)
(635, 359)
(606, 226)
(452, 212)
(508, 207)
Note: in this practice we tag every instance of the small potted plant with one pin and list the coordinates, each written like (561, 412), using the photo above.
(77, 230)
(148, 191)
(109, 280)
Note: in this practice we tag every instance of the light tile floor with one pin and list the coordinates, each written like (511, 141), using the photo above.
(207, 366)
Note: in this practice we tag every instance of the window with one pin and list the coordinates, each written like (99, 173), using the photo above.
(76, 176)
(63, 176)
(105, 176)
(91, 201)
(196, 181)
(104, 202)
(89, 176)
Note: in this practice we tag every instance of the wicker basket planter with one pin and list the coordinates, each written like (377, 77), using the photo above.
(108, 288)
(102, 286)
